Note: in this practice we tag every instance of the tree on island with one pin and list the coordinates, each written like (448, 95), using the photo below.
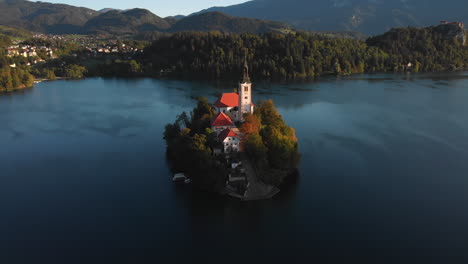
(271, 144)
(189, 147)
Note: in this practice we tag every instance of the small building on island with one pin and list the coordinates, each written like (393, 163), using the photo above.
(228, 104)
(221, 123)
(231, 140)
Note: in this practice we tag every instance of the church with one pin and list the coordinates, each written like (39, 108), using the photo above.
(231, 108)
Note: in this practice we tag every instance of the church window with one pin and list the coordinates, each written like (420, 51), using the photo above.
(246, 98)
(246, 88)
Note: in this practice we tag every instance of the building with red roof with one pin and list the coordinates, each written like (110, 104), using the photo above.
(237, 104)
(232, 106)
(222, 122)
(230, 139)
(228, 100)
(228, 103)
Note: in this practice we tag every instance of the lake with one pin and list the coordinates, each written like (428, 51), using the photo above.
(383, 176)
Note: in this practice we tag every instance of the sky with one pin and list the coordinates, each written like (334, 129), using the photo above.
(161, 8)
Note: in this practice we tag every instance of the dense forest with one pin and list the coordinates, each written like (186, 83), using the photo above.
(301, 54)
(428, 49)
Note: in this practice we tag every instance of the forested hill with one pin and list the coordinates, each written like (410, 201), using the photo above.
(367, 16)
(126, 22)
(44, 17)
(429, 49)
(216, 55)
(217, 21)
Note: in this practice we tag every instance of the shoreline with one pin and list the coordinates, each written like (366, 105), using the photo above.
(39, 80)
(274, 81)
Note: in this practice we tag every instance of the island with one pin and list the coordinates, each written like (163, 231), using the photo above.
(233, 146)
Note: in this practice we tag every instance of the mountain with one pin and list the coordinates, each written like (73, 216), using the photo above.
(44, 17)
(104, 10)
(126, 22)
(66, 19)
(367, 16)
(217, 21)
(178, 17)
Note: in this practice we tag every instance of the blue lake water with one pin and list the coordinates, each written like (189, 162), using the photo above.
(383, 177)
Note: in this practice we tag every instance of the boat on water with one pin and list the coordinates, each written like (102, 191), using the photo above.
(180, 177)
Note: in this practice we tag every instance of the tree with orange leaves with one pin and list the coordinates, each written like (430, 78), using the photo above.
(251, 125)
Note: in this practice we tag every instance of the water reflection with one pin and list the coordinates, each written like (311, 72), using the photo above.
(383, 172)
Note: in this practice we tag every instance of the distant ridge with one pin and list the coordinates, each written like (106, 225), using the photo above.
(366, 16)
(104, 10)
(126, 22)
(44, 17)
(66, 19)
(217, 21)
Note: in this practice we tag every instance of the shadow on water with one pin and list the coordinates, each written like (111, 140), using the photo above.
(10, 94)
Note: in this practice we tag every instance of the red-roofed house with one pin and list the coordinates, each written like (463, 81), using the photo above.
(222, 122)
(228, 104)
(230, 139)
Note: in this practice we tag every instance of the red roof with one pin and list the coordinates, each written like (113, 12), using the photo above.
(222, 120)
(227, 133)
(228, 100)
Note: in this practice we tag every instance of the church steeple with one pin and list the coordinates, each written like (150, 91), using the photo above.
(245, 77)
(245, 93)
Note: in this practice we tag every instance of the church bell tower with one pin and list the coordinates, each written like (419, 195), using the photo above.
(245, 93)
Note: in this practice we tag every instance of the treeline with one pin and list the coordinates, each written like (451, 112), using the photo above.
(70, 71)
(428, 49)
(271, 144)
(114, 68)
(14, 78)
(272, 55)
(300, 55)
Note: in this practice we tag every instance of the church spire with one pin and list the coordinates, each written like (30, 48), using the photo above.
(246, 77)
